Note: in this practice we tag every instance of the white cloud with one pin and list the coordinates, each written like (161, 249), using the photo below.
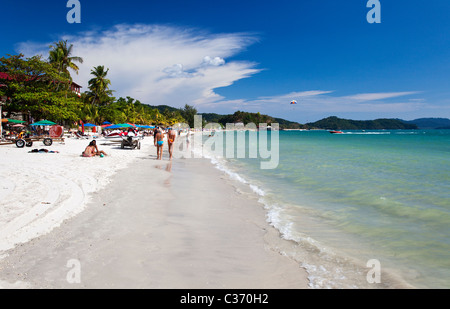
(173, 66)
(378, 96)
(160, 64)
(317, 104)
(176, 70)
(216, 61)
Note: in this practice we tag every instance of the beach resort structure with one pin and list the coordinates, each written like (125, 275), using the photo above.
(76, 89)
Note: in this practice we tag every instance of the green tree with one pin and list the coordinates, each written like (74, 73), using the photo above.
(60, 56)
(34, 88)
(188, 113)
(99, 86)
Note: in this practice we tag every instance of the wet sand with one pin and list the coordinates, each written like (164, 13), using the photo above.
(158, 225)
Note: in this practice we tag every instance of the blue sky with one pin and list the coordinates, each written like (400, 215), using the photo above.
(255, 56)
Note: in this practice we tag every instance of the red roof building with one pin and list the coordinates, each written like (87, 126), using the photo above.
(76, 88)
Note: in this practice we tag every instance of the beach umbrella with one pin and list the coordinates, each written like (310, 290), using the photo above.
(114, 126)
(106, 122)
(124, 125)
(13, 121)
(89, 125)
(43, 123)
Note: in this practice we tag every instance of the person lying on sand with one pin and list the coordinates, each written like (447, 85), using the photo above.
(43, 151)
(92, 150)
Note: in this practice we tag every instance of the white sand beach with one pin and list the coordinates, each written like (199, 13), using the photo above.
(131, 221)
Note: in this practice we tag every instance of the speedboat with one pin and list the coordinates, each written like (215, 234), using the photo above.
(336, 132)
(114, 136)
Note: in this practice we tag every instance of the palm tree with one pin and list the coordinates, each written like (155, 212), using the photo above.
(99, 85)
(90, 113)
(61, 56)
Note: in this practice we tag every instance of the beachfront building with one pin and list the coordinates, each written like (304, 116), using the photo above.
(76, 89)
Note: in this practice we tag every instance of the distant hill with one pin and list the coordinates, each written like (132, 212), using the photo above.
(246, 118)
(211, 117)
(330, 123)
(335, 123)
(430, 123)
(163, 108)
(286, 124)
(237, 117)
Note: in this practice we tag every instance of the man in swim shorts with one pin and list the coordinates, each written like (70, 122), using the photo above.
(159, 143)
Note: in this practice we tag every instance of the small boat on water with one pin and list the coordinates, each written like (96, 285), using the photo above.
(336, 132)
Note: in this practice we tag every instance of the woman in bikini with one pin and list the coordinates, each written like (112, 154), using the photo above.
(159, 143)
(170, 140)
(92, 150)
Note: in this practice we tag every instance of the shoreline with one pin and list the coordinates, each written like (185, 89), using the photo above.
(326, 264)
(159, 225)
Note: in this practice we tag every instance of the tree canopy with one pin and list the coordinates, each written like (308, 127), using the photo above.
(39, 88)
(36, 88)
(60, 55)
(335, 123)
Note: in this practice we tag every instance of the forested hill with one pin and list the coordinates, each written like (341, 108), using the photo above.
(330, 123)
(246, 118)
(335, 123)
(431, 123)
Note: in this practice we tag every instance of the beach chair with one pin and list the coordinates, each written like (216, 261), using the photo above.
(80, 135)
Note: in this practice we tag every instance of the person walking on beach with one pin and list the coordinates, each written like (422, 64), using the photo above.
(170, 141)
(159, 143)
(188, 139)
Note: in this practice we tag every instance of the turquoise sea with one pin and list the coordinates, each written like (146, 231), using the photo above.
(345, 199)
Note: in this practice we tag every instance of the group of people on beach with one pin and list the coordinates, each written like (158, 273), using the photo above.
(158, 136)
(158, 139)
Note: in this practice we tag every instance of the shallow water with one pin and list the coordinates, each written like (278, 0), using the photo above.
(349, 198)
